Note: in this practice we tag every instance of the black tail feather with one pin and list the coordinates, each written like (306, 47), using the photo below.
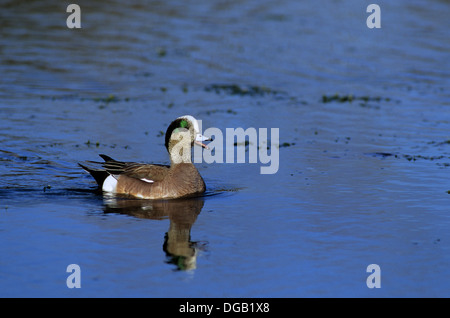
(106, 158)
(98, 174)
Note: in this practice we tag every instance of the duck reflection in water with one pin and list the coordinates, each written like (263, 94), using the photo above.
(182, 213)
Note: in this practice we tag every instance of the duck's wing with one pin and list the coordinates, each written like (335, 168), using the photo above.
(141, 171)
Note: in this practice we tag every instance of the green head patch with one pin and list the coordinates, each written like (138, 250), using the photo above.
(183, 123)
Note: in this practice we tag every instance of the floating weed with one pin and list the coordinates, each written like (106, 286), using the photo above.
(161, 52)
(411, 158)
(228, 111)
(337, 98)
(244, 143)
(47, 187)
(441, 143)
(380, 154)
(346, 139)
(89, 143)
(364, 100)
(98, 144)
(286, 144)
(234, 89)
(253, 91)
(417, 157)
(109, 99)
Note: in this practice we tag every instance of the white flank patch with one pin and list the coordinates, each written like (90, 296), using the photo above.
(147, 180)
(110, 184)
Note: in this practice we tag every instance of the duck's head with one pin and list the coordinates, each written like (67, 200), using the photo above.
(181, 135)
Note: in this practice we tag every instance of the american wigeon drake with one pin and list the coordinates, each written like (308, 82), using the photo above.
(152, 181)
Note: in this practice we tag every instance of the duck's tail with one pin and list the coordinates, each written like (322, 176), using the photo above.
(99, 174)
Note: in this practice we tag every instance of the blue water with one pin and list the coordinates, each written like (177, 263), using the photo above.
(364, 148)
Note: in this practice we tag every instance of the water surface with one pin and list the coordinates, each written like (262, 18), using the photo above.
(364, 149)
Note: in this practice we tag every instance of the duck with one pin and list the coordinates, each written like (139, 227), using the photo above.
(156, 181)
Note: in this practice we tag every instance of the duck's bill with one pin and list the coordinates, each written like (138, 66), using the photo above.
(199, 140)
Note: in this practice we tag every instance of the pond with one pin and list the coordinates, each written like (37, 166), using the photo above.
(363, 148)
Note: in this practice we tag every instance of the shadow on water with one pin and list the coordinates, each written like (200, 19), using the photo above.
(182, 213)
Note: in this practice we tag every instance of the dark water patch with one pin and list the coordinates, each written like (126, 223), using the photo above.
(238, 90)
(9, 156)
(111, 98)
(12, 196)
(63, 97)
(412, 158)
(422, 157)
(380, 154)
(98, 144)
(246, 143)
(161, 52)
(440, 143)
(243, 143)
(223, 111)
(364, 101)
(286, 144)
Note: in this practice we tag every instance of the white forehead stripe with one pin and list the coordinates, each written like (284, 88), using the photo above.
(192, 120)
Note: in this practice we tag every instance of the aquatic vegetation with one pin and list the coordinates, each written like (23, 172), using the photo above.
(416, 157)
(244, 143)
(411, 158)
(380, 154)
(364, 100)
(162, 52)
(253, 91)
(109, 99)
(286, 144)
(234, 89)
(441, 143)
(89, 143)
(227, 111)
(337, 98)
